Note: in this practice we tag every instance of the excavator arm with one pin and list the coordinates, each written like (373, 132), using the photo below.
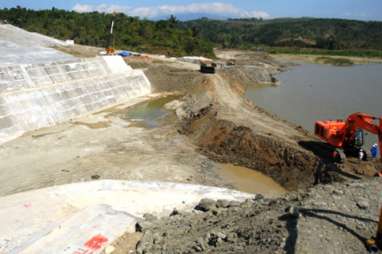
(342, 134)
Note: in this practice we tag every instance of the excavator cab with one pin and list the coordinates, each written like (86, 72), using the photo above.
(354, 148)
(359, 138)
(347, 137)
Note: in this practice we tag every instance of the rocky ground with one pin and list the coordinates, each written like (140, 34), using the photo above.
(335, 218)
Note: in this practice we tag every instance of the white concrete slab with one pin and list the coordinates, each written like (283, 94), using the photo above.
(52, 217)
(116, 64)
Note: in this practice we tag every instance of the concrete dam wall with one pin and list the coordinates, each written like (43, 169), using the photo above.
(33, 96)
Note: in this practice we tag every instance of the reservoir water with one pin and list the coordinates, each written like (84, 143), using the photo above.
(310, 92)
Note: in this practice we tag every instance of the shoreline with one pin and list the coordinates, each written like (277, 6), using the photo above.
(305, 58)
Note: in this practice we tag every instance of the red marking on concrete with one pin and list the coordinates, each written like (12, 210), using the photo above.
(27, 205)
(96, 242)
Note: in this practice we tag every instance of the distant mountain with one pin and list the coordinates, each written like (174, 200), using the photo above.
(200, 36)
(331, 34)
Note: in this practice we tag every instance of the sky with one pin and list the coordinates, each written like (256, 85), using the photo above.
(154, 9)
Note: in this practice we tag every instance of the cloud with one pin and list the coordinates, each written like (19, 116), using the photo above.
(217, 8)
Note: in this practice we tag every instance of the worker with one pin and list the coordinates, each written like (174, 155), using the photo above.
(374, 151)
(361, 154)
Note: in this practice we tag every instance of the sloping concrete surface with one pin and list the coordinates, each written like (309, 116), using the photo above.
(33, 96)
(88, 216)
(20, 46)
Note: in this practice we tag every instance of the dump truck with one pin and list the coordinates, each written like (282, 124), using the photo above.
(207, 67)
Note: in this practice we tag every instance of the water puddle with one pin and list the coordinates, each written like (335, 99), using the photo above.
(251, 181)
(148, 114)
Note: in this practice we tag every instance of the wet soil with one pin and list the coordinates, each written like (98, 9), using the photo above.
(148, 114)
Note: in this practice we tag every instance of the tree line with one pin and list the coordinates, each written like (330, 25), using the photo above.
(199, 37)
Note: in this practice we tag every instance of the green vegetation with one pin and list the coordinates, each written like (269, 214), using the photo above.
(334, 61)
(198, 37)
(314, 51)
(131, 33)
(328, 34)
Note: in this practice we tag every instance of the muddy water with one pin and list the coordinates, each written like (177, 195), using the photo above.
(252, 181)
(149, 114)
(311, 91)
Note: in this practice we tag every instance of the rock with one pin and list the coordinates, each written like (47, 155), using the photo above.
(199, 245)
(258, 197)
(215, 211)
(221, 235)
(109, 249)
(214, 238)
(156, 238)
(246, 204)
(234, 204)
(141, 226)
(95, 177)
(231, 237)
(174, 212)
(173, 105)
(222, 203)
(140, 248)
(338, 192)
(205, 205)
(149, 217)
(363, 204)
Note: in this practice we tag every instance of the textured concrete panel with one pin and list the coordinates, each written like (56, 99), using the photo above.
(40, 95)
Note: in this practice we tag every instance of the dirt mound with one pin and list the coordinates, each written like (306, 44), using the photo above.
(168, 79)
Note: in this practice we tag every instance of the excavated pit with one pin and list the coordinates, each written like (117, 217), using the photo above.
(228, 129)
(226, 142)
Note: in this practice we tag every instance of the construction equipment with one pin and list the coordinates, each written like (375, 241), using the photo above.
(110, 41)
(346, 137)
(207, 67)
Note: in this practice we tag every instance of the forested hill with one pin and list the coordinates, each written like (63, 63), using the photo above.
(198, 37)
(164, 37)
(332, 34)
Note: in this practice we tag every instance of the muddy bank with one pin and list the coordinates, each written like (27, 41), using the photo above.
(227, 142)
(229, 130)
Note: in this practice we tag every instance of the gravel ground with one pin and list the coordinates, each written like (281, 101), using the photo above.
(336, 218)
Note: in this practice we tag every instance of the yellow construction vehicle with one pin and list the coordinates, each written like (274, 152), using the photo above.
(110, 41)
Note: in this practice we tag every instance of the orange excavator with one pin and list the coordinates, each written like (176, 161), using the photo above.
(346, 137)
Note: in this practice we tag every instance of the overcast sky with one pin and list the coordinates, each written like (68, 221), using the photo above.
(350, 9)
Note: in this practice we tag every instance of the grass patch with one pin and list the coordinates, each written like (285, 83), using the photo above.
(315, 51)
(334, 61)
